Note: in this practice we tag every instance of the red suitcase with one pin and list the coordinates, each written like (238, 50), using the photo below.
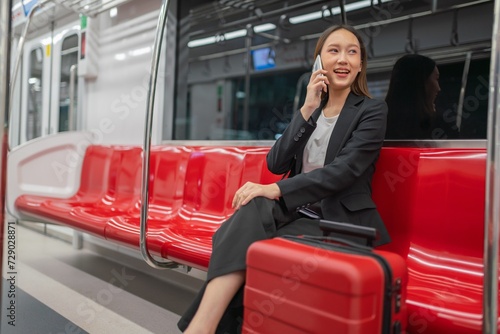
(308, 285)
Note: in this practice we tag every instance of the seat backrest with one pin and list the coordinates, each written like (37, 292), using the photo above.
(432, 197)
(255, 166)
(394, 188)
(213, 176)
(95, 170)
(168, 165)
(124, 180)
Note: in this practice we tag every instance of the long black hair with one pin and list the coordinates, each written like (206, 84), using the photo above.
(411, 112)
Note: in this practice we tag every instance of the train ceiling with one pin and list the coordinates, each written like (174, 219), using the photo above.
(221, 23)
(54, 10)
(219, 16)
(90, 7)
(218, 32)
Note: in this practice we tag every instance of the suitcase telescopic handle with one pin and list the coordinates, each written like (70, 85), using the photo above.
(335, 240)
(368, 233)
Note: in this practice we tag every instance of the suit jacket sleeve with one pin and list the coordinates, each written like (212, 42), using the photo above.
(360, 151)
(283, 153)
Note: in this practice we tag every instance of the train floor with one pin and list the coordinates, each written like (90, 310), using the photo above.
(51, 287)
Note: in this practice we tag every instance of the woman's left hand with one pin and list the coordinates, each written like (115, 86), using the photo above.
(251, 190)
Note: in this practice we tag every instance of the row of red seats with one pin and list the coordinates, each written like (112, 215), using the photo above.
(190, 194)
(432, 201)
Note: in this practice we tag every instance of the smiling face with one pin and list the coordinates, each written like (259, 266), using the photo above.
(341, 57)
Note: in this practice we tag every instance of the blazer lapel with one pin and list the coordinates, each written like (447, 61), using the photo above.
(315, 115)
(344, 126)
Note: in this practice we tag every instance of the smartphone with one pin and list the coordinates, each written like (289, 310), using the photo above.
(317, 64)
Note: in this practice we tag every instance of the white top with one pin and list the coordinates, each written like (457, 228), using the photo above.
(315, 150)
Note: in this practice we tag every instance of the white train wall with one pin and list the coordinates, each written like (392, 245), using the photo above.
(114, 59)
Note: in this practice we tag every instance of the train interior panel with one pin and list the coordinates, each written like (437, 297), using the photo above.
(131, 124)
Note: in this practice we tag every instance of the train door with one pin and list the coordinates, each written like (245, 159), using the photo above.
(49, 84)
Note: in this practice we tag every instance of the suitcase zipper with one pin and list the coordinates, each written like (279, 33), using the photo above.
(388, 288)
(389, 291)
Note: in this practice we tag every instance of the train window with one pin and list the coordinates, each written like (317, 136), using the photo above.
(218, 112)
(34, 121)
(69, 57)
(270, 105)
(222, 94)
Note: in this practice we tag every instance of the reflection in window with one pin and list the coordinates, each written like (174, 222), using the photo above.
(470, 121)
(34, 120)
(450, 120)
(69, 57)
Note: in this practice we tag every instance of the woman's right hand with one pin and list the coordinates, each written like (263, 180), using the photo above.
(251, 190)
(317, 84)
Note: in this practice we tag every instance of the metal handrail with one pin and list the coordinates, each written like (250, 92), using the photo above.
(162, 21)
(72, 83)
(465, 75)
(492, 194)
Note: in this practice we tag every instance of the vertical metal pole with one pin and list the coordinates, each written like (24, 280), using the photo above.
(492, 206)
(72, 90)
(343, 14)
(434, 6)
(160, 29)
(461, 98)
(5, 36)
(248, 66)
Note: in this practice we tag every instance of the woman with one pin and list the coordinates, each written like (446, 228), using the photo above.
(412, 91)
(330, 149)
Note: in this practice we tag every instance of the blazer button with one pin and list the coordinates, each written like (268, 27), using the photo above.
(302, 129)
(299, 134)
(296, 138)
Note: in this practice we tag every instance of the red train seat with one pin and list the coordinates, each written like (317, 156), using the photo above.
(191, 190)
(108, 187)
(213, 177)
(122, 194)
(432, 202)
(168, 165)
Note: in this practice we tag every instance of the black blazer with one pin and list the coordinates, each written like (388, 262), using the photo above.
(343, 185)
